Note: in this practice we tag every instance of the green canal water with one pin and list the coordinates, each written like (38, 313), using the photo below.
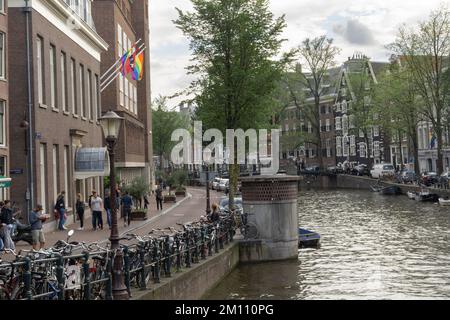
(373, 247)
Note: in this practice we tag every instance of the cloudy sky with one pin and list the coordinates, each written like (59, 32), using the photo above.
(356, 25)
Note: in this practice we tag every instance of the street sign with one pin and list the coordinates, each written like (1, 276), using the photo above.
(16, 171)
(5, 182)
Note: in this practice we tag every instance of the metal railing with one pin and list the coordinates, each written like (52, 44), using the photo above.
(78, 271)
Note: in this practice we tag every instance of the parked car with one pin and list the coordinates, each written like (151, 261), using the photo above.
(215, 183)
(408, 176)
(360, 170)
(223, 184)
(312, 170)
(223, 204)
(382, 169)
(429, 178)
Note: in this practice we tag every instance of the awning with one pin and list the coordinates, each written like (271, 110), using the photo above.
(91, 162)
(5, 182)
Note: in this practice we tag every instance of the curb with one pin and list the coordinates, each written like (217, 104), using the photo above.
(147, 222)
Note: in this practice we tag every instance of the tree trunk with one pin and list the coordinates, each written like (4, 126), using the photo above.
(439, 162)
(400, 147)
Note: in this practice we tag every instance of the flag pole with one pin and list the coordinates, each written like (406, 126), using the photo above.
(115, 72)
(103, 87)
(115, 64)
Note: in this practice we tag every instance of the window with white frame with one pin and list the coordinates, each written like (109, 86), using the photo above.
(55, 167)
(328, 146)
(73, 87)
(40, 69)
(376, 131)
(338, 107)
(82, 93)
(345, 125)
(2, 123)
(338, 123)
(339, 146)
(3, 171)
(2, 6)
(66, 175)
(43, 176)
(327, 125)
(53, 90)
(64, 104)
(344, 106)
(90, 92)
(320, 125)
(351, 121)
(361, 133)
(2, 55)
(362, 150)
(345, 147)
(352, 146)
(97, 97)
(376, 148)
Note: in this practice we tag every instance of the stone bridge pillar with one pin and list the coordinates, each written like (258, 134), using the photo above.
(271, 205)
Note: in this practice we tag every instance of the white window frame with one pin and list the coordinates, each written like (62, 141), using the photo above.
(66, 174)
(2, 6)
(338, 123)
(2, 54)
(362, 150)
(53, 85)
(43, 176)
(338, 146)
(3, 116)
(40, 69)
(82, 92)
(73, 88)
(376, 131)
(376, 148)
(328, 125)
(64, 103)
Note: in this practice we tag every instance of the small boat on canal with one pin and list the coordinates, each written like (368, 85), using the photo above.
(308, 239)
(411, 195)
(390, 190)
(426, 196)
(444, 202)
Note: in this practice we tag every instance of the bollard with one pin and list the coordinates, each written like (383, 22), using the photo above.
(126, 258)
(86, 284)
(141, 248)
(60, 276)
(27, 279)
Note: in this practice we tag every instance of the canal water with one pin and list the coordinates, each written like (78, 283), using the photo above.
(373, 247)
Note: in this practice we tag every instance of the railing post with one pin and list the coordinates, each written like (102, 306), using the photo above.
(221, 237)
(126, 259)
(188, 253)
(216, 241)
(60, 276)
(168, 262)
(156, 263)
(87, 276)
(142, 284)
(27, 279)
(178, 256)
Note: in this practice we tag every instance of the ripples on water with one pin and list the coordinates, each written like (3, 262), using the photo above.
(373, 247)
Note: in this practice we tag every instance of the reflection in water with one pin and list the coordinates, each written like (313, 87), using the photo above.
(373, 247)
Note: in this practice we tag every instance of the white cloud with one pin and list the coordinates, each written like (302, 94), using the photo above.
(305, 18)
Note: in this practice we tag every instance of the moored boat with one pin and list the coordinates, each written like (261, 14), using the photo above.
(444, 202)
(392, 190)
(411, 195)
(308, 239)
(427, 197)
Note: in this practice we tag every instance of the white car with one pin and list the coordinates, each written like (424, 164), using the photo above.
(382, 169)
(215, 184)
(223, 184)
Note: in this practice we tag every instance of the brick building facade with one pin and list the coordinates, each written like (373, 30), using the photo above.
(65, 53)
(4, 101)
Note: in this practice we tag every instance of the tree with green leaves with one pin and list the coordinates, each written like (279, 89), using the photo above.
(317, 56)
(165, 122)
(397, 102)
(234, 47)
(426, 52)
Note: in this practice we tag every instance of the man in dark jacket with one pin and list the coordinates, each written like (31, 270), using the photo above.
(127, 203)
(7, 222)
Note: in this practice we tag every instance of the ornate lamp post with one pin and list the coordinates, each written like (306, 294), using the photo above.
(111, 123)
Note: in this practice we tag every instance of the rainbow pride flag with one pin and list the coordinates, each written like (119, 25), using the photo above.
(138, 70)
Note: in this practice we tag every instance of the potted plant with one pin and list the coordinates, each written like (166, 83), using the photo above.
(171, 197)
(180, 181)
(138, 189)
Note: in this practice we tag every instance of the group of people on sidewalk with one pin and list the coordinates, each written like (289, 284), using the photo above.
(99, 205)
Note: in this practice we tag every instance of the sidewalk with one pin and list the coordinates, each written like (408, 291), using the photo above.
(188, 209)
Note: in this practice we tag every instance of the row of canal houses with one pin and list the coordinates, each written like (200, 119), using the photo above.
(53, 54)
(341, 137)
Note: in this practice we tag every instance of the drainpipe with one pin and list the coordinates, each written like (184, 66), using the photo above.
(30, 190)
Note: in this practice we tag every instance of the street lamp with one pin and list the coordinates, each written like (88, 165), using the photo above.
(206, 160)
(111, 123)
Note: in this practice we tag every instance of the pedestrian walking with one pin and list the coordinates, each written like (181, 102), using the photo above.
(60, 210)
(127, 203)
(37, 218)
(7, 222)
(159, 198)
(80, 211)
(107, 205)
(146, 202)
(214, 215)
(97, 208)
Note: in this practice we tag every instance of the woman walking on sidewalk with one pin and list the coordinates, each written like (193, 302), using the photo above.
(80, 211)
(60, 210)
